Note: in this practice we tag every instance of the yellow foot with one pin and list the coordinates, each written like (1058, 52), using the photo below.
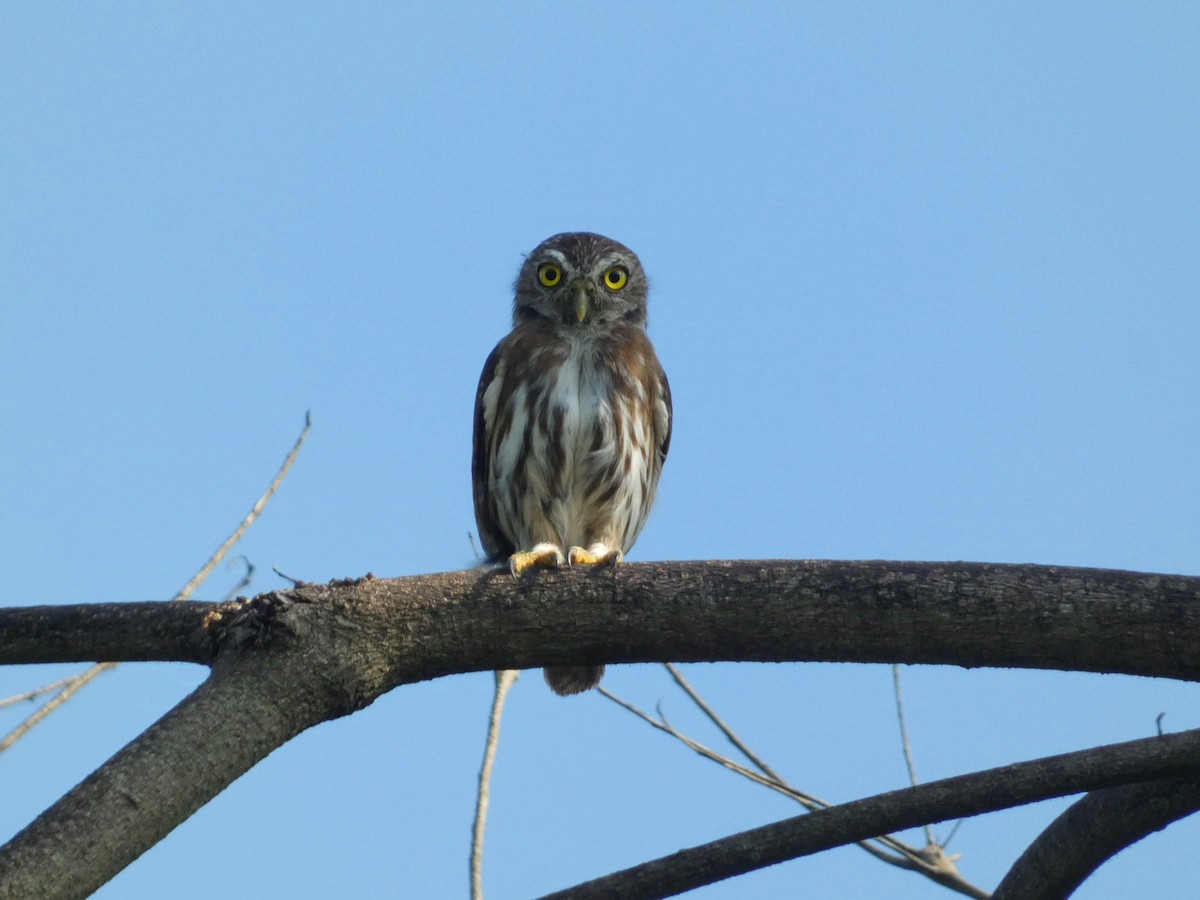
(595, 555)
(546, 555)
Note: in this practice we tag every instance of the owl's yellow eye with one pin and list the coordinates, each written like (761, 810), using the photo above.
(549, 274)
(616, 277)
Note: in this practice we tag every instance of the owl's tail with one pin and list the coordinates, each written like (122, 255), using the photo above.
(567, 680)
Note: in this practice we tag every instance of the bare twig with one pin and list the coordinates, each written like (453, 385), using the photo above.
(906, 747)
(806, 800)
(720, 723)
(505, 679)
(36, 692)
(909, 857)
(952, 833)
(933, 865)
(219, 554)
(296, 582)
(76, 682)
(929, 859)
(243, 582)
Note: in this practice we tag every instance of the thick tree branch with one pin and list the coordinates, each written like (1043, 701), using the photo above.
(290, 659)
(143, 632)
(937, 801)
(969, 614)
(1093, 830)
(136, 798)
(252, 703)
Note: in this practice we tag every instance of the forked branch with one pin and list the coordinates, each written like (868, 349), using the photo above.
(290, 659)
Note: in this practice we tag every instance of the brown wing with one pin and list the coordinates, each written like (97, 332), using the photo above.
(662, 430)
(495, 544)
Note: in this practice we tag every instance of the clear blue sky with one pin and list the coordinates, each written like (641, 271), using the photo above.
(925, 281)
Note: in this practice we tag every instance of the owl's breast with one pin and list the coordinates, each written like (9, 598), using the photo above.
(582, 400)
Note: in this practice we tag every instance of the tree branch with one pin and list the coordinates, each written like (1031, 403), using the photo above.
(144, 632)
(266, 687)
(937, 801)
(136, 798)
(292, 658)
(1093, 830)
(968, 614)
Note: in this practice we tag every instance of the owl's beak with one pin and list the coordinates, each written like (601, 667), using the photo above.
(581, 301)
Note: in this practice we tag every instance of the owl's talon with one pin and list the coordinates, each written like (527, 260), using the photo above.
(595, 555)
(542, 556)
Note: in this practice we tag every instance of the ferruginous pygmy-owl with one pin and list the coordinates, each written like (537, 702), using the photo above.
(572, 418)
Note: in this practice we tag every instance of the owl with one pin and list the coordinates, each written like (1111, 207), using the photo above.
(572, 418)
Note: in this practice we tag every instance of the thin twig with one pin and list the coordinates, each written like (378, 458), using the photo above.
(296, 582)
(504, 681)
(36, 692)
(806, 800)
(772, 780)
(933, 865)
(953, 832)
(906, 747)
(77, 682)
(720, 723)
(219, 554)
(243, 582)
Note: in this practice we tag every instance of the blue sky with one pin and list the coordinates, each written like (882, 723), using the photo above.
(924, 278)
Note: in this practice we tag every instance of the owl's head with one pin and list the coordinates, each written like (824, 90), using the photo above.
(581, 280)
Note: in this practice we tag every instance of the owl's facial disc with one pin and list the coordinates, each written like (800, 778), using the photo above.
(580, 280)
